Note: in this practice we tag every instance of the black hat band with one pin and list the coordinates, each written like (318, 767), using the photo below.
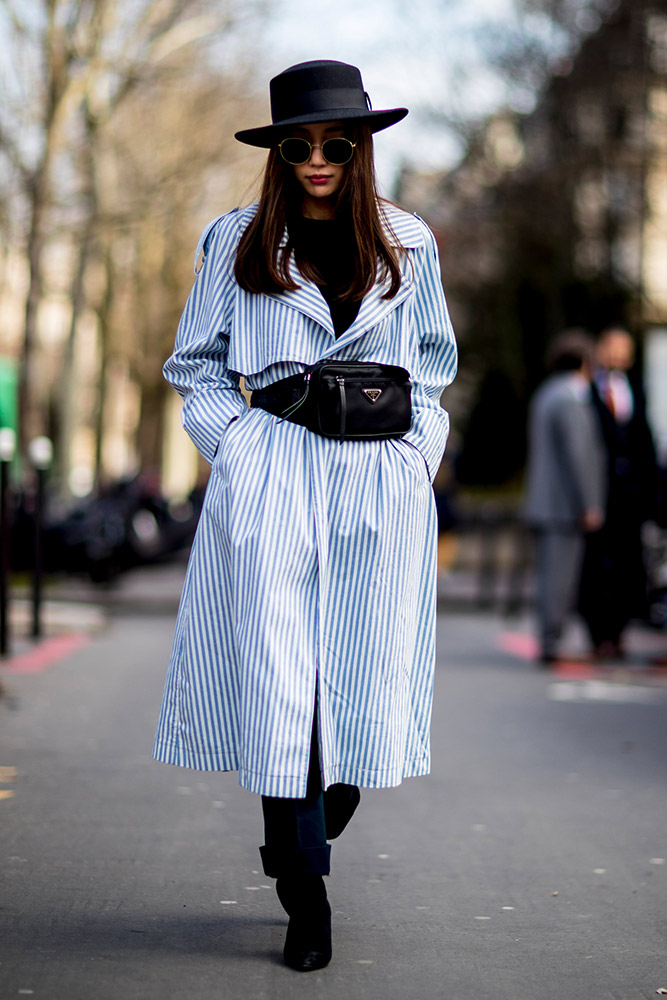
(308, 101)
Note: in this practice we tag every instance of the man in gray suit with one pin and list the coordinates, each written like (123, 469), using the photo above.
(565, 489)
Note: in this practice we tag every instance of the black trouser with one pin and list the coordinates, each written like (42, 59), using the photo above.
(613, 579)
(296, 831)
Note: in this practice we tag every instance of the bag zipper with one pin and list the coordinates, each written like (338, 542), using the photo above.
(343, 406)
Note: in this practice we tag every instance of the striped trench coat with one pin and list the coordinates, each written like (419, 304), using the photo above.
(312, 574)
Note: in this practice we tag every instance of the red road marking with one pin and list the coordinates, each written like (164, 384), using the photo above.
(519, 644)
(571, 670)
(525, 647)
(44, 655)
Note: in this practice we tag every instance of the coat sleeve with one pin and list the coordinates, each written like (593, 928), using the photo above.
(197, 369)
(437, 360)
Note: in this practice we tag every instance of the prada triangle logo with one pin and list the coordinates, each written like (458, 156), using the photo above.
(372, 394)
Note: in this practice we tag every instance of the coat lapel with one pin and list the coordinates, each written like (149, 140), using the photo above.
(403, 229)
(307, 299)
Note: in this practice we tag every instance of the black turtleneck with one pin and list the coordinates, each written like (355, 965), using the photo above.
(328, 245)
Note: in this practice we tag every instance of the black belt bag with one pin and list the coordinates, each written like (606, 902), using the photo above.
(348, 400)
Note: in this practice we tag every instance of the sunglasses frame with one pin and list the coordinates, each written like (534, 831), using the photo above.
(317, 145)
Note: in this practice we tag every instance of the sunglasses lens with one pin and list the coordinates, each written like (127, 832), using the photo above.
(295, 151)
(337, 151)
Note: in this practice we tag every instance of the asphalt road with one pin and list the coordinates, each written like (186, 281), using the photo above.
(531, 865)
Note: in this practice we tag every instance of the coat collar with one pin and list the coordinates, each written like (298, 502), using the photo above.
(403, 230)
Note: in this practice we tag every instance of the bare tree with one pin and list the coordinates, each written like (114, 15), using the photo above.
(538, 42)
(165, 184)
(76, 60)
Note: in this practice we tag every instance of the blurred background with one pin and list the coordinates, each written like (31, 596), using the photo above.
(536, 148)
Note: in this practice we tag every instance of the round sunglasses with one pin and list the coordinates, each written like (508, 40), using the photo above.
(335, 151)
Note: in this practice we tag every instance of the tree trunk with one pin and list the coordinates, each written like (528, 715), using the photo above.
(66, 391)
(31, 398)
(104, 318)
(150, 432)
(31, 417)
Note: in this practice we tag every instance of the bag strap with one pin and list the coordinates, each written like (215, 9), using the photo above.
(286, 414)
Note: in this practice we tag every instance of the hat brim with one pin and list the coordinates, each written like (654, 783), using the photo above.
(268, 135)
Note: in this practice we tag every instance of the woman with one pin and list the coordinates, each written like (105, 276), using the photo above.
(304, 647)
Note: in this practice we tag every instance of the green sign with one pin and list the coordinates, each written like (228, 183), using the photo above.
(8, 393)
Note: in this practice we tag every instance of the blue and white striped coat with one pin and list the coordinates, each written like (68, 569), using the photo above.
(313, 568)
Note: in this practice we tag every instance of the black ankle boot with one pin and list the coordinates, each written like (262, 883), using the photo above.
(308, 941)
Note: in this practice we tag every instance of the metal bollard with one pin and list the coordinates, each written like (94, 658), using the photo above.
(40, 452)
(7, 450)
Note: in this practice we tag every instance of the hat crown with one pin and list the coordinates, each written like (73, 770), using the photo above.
(318, 86)
(322, 90)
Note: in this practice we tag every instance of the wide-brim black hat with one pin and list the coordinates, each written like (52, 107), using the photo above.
(318, 91)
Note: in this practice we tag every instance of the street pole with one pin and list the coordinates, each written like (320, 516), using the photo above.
(7, 449)
(40, 451)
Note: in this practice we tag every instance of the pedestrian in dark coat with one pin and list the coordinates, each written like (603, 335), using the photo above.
(565, 482)
(304, 648)
(614, 585)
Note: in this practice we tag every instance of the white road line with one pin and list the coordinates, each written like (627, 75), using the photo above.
(605, 691)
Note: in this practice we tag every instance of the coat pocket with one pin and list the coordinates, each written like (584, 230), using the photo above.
(227, 435)
(413, 456)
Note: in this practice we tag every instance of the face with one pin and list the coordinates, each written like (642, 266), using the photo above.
(616, 350)
(320, 180)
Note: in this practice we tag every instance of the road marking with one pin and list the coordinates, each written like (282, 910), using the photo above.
(44, 655)
(526, 647)
(605, 691)
(650, 672)
(519, 644)
(7, 775)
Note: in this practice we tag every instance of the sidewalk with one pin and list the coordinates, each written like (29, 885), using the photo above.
(151, 589)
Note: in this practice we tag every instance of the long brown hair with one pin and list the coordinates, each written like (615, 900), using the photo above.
(260, 264)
